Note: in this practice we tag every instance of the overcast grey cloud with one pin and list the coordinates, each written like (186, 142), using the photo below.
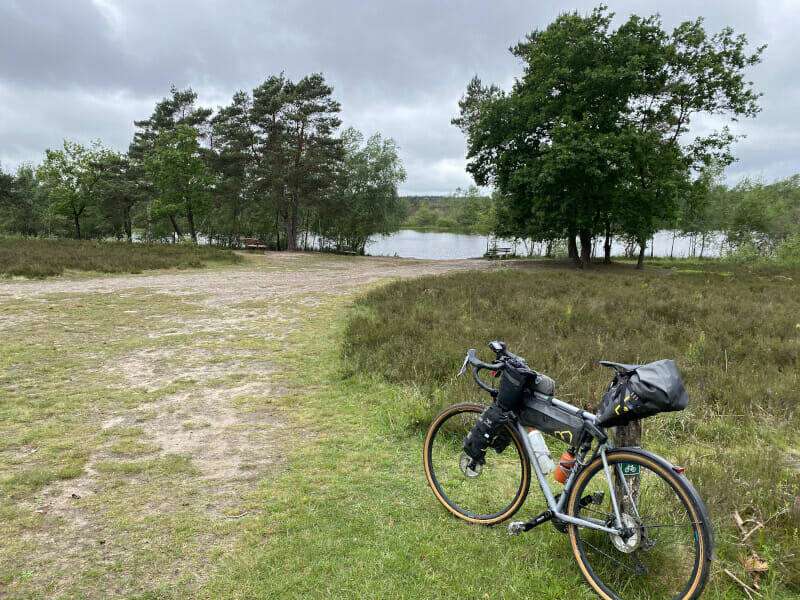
(83, 70)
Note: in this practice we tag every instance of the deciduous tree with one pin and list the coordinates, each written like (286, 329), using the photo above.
(591, 138)
(71, 178)
(180, 176)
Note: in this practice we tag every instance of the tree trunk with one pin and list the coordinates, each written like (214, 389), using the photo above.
(190, 219)
(77, 224)
(291, 224)
(702, 243)
(277, 230)
(607, 245)
(572, 250)
(586, 249)
(627, 435)
(149, 222)
(127, 224)
(640, 261)
(175, 227)
(672, 248)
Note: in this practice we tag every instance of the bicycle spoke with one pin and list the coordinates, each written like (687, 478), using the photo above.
(609, 557)
(660, 558)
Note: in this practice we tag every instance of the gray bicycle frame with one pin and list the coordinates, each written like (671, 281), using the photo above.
(557, 506)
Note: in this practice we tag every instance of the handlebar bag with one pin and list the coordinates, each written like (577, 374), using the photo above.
(642, 392)
(513, 381)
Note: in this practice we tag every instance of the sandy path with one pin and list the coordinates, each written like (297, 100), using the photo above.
(275, 273)
(206, 373)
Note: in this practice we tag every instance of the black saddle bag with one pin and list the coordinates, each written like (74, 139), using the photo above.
(642, 392)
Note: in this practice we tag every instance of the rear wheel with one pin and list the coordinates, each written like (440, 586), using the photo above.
(491, 492)
(667, 548)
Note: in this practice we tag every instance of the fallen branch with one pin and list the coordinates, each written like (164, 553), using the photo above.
(747, 588)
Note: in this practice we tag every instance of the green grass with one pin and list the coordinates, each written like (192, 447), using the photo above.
(38, 259)
(343, 510)
(736, 339)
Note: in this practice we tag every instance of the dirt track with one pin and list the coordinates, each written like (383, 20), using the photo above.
(275, 273)
(197, 363)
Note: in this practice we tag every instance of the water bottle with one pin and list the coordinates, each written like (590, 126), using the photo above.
(564, 467)
(541, 452)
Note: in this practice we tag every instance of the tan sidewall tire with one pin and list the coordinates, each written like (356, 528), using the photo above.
(524, 464)
(669, 475)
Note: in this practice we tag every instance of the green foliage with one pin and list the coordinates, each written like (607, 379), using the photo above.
(588, 140)
(365, 200)
(180, 175)
(269, 165)
(37, 259)
(298, 154)
(24, 204)
(464, 211)
(72, 178)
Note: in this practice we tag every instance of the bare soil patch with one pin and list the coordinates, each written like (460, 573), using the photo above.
(212, 431)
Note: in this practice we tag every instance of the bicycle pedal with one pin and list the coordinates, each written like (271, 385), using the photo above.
(516, 527)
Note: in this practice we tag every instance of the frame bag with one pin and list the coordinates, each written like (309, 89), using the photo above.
(642, 392)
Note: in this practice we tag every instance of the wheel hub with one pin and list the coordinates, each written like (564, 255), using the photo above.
(475, 471)
(627, 543)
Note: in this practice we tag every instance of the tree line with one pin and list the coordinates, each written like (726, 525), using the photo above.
(272, 164)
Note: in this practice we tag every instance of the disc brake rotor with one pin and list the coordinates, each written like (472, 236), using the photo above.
(627, 545)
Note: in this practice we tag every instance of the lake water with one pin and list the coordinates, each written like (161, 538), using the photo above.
(449, 246)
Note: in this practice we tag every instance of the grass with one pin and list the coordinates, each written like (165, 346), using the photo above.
(333, 501)
(735, 335)
(39, 259)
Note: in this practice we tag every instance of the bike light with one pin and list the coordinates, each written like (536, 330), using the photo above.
(679, 470)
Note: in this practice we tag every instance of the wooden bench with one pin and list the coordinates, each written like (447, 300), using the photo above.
(252, 244)
(496, 252)
(347, 250)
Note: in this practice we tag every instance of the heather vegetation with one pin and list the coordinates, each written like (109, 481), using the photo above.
(733, 333)
(38, 259)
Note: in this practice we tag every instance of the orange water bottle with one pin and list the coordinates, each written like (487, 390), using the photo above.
(564, 466)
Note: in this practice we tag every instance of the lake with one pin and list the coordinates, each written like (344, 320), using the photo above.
(450, 246)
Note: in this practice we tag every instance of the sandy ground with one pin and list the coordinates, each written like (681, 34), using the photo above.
(231, 446)
(318, 274)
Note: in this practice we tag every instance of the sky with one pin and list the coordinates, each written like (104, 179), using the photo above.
(86, 69)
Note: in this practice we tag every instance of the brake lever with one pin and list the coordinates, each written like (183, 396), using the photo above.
(464, 366)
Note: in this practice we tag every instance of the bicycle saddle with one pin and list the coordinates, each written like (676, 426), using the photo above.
(619, 366)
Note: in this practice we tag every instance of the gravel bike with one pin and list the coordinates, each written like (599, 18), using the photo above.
(637, 527)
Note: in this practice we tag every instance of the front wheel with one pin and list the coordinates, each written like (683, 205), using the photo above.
(493, 491)
(668, 543)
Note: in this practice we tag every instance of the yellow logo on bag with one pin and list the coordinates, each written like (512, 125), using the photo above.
(563, 436)
(622, 405)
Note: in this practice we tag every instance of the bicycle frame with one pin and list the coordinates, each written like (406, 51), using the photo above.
(557, 506)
